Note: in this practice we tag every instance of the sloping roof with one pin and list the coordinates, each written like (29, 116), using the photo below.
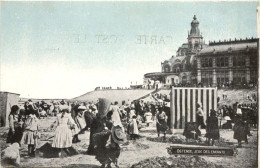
(8, 92)
(181, 58)
(174, 59)
(158, 74)
(184, 45)
(228, 47)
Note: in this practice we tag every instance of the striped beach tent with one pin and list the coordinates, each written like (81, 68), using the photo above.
(184, 101)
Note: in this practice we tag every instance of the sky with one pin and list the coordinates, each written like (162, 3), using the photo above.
(65, 49)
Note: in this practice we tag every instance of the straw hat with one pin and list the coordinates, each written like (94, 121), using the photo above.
(118, 134)
(227, 118)
(103, 106)
(82, 108)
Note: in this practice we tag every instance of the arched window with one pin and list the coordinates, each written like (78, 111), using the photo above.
(178, 69)
(206, 62)
(167, 68)
(202, 62)
(234, 61)
(196, 45)
(222, 63)
(226, 61)
(253, 60)
(218, 62)
(184, 80)
(190, 45)
(210, 62)
(242, 61)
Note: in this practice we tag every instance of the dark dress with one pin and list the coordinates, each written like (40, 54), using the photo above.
(239, 129)
(168, 113)
(104, 153)
(163, 124)
(17, 135)
(212, 128)
(96, 126)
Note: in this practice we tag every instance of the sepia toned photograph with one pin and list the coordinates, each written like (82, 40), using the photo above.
(129, 84)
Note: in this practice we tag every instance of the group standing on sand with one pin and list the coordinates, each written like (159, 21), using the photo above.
(106, 129)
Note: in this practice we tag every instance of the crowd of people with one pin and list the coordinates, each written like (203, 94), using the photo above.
(75, 118)
(103, 117)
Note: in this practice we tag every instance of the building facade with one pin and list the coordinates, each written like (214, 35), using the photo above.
(228, 62)
(7, 101)
(217, 63)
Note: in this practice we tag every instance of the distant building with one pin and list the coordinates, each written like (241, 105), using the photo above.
(7, 100)
(223, 62)
(228, 62)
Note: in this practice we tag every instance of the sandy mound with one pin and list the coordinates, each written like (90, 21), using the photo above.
(133, 146)
(47, 151)
(172, 162)
(180, 139)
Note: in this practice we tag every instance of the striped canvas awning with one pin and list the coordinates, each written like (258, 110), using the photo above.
(184, 101)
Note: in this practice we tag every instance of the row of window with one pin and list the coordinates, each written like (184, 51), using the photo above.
(206, 77)
(239, 76)
(223, 61)
(206, 62)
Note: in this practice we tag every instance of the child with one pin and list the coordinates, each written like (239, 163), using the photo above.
(133, 128)
(42, 113)
(139, 121)
(148, 117)
(30, 134)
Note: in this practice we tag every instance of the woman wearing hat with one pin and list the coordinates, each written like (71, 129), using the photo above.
(63, 133)
(79, 119)
(101, 131)
(212, 127)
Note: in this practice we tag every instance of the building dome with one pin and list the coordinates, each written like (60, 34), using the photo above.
(195, 26)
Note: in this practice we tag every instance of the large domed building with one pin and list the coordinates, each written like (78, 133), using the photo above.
(196, 62)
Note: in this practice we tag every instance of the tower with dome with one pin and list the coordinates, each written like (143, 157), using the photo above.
(194, 63)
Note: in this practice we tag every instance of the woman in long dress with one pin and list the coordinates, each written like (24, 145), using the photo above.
(212, 127)
(63, 133)
(239, 130)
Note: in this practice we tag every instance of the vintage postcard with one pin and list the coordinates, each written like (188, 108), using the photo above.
(129, 84)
